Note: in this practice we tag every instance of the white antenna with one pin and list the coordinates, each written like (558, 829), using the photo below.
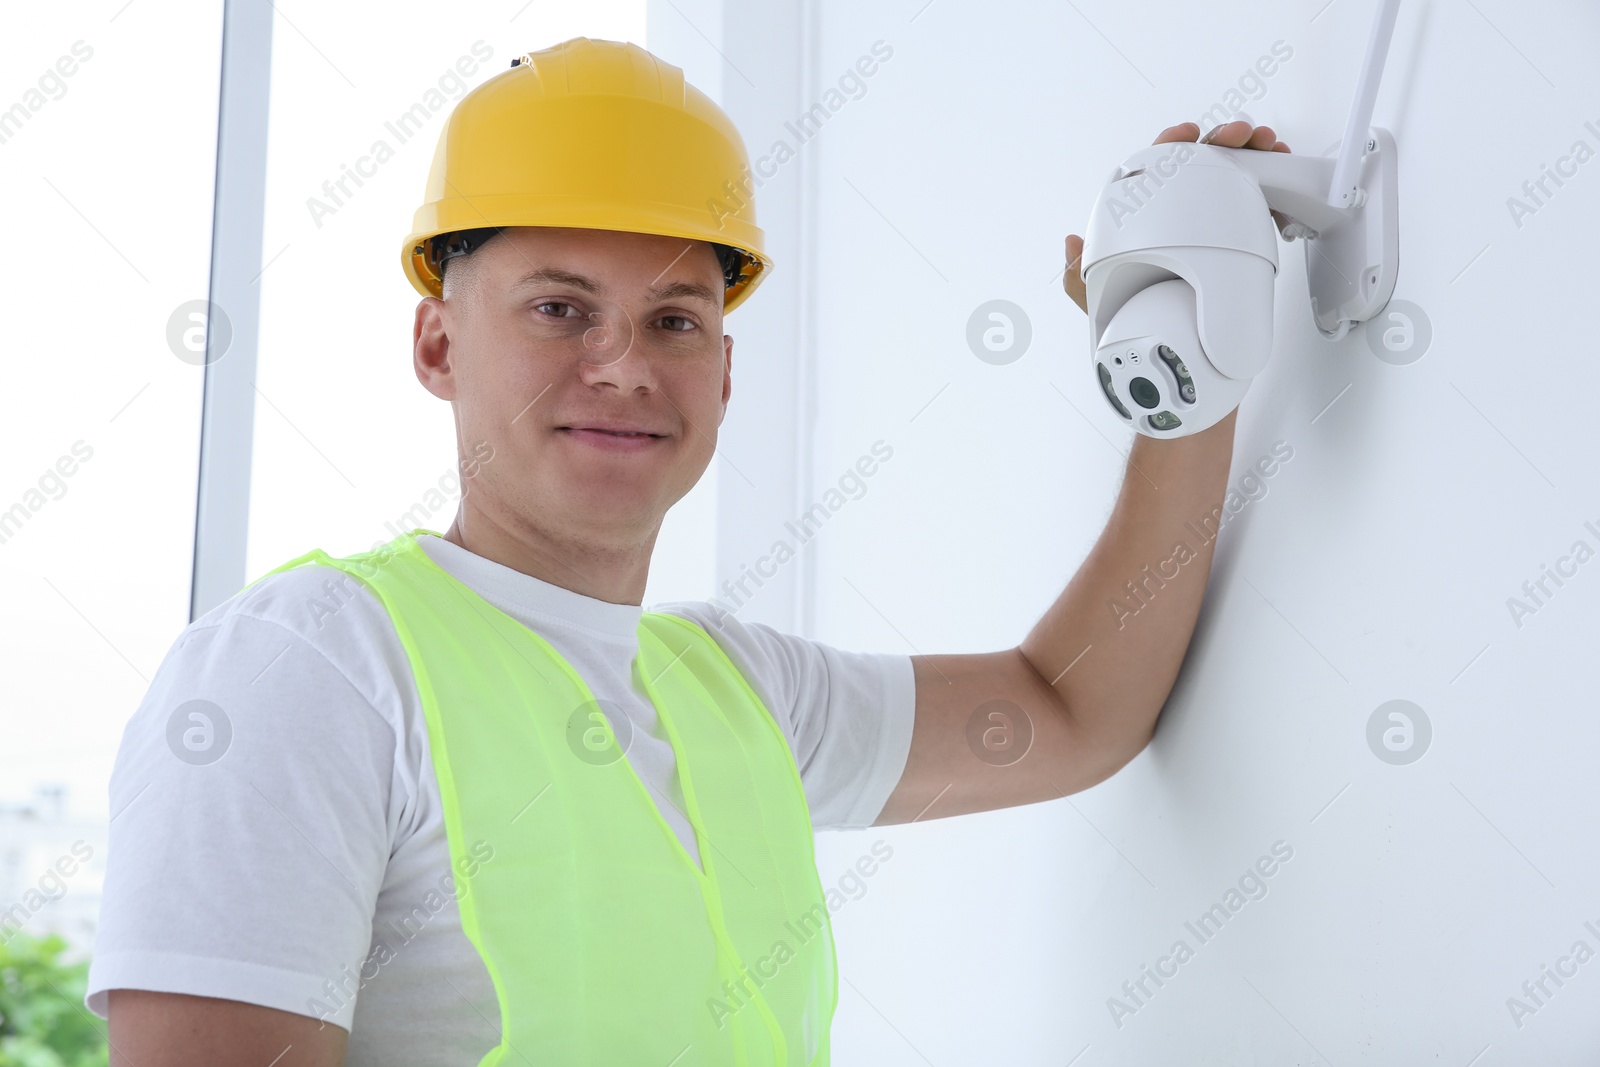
(1343, 191)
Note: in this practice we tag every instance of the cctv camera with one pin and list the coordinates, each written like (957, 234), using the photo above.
(1180, 259)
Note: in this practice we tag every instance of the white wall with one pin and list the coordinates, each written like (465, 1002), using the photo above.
(1374, 565)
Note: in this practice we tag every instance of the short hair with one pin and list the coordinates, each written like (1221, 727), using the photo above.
(735, 262)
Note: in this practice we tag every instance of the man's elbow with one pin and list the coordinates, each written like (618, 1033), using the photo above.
(1108, 751)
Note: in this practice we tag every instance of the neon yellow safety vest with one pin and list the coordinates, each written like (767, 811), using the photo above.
(606, 943)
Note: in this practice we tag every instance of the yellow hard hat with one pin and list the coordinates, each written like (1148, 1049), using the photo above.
(596, 134)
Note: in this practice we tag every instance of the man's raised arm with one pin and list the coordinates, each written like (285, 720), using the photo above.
(1079, 697)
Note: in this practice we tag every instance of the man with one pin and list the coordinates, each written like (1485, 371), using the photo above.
(459, 799)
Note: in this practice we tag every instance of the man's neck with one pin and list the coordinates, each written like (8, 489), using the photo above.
(615, 576)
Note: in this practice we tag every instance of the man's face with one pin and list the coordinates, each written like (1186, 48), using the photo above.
(553, 335)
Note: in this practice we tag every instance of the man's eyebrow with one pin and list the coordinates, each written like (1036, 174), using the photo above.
(556, 276)
(693, 290)
(559, 276)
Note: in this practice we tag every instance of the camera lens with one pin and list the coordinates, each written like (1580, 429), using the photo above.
(1144, 392)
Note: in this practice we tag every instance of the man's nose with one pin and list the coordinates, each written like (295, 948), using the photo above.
(609, 348)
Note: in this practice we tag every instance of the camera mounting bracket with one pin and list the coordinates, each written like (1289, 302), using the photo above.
(1353, 252)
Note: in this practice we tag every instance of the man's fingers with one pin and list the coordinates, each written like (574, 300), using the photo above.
(1184, 131)
(1263, 139)
(1072, 277)
(1235, 134)
(1074, 259)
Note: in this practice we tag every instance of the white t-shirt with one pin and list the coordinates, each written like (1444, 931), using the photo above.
(275, 872)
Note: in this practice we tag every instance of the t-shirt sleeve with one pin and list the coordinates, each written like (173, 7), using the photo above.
(847, 715)
(250, 827)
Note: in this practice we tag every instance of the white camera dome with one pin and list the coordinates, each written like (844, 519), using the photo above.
(1154, 369)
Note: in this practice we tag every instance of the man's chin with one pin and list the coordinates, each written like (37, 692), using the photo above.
(601, 499)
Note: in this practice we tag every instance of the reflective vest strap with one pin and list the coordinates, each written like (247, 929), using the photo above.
(785, 939)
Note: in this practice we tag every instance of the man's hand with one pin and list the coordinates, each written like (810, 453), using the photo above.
(1229, 135)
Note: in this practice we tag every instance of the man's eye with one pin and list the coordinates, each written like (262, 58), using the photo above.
(556, 304)
(679, 318)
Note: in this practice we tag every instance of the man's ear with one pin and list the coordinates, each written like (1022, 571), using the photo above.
(727, 374)
(430, 349)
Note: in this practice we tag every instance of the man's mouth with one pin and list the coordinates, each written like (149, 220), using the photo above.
(613, 438)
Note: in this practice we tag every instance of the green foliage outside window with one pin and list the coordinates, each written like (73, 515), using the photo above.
(43, 1022)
